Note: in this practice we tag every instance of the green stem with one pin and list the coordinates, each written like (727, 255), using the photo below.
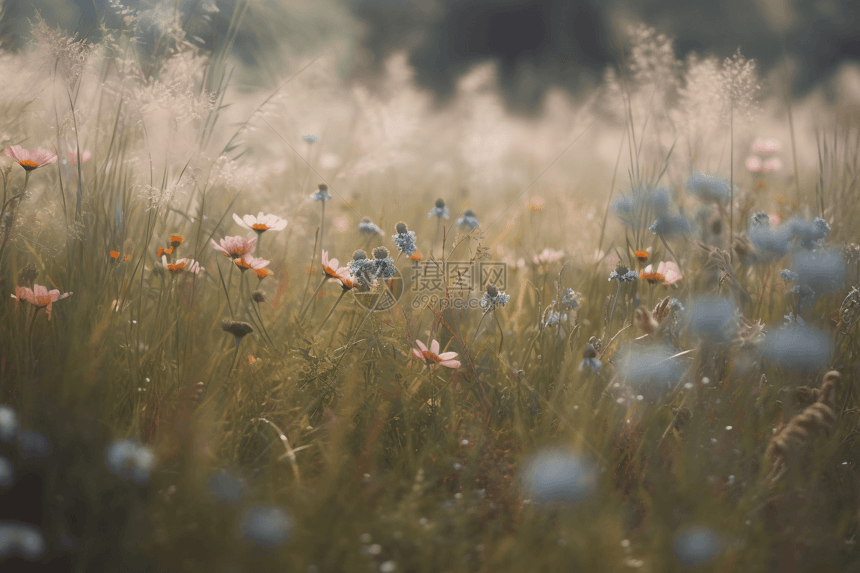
(343, 292)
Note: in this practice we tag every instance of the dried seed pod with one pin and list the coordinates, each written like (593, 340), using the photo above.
(816, 418)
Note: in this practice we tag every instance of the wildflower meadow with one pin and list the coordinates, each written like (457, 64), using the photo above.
(316, 329)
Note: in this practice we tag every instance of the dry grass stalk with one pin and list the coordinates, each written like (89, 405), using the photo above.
(788, 441)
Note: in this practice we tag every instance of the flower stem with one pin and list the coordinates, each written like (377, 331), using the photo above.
(612, 312)
(330, 312)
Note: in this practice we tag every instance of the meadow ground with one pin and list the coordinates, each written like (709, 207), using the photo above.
(645, 364)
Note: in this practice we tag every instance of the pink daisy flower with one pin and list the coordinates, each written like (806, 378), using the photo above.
(345, 279)
(330, 266)
(39, 296)
(73, 157)
(235, 247)
(765, 146)
(432, 355)
(30, 159)
(670, 271)
(261, 222)
(547, 256)
(753, 163)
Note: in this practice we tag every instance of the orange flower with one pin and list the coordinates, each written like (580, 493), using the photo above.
(126, 258)
(263, 273)
(416, 256)
(177, 266)
(39, 297)
(652, 277)
(114, 255)
(642, 256)
(175, 241)
(250, 262)
(162, 251)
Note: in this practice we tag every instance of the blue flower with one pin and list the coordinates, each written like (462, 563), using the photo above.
(468, 220)
(34, 445)
(558, 475)
(569, 300)
(322, 193)
(771, 243)
(671, 224)
(642, 202)
(788, 276)
(266, 526)
(713, 319)
(553, 318)
(798, 347)
(623, 274)
(439, 210)
(21, 539)
(810, 234)
(8, 424)
(368, 227)
(128, 459)
(697, 545)
(592, 364)
(493, 297)
(710, 188)
(404, 239)
(310, 138)
(652, 370)
(824, 271)
(226, 487)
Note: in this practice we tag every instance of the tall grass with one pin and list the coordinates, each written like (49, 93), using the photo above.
(319, 441)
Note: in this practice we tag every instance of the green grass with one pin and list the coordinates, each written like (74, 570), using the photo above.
(377, 459)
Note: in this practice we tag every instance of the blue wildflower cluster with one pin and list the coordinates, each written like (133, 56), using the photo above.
(558, 476)
(569, 300)
(468, 220)
(646, 203)
(368, 227)
(404, 239)
(798, 347)
(712, 319)
(709, 188)
(21, 539)
(322, 193)
(266, 526)
(128, 459)
(773, 243)
(439, 210)
(493, 297)
(623, 274)
(788, 276)
(590, 362)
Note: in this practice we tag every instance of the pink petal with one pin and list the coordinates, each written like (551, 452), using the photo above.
(417, 354)
(434, 347)
(450, 363)
(448, 355)
(17, 153)
(421, 345)
(333, 263)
